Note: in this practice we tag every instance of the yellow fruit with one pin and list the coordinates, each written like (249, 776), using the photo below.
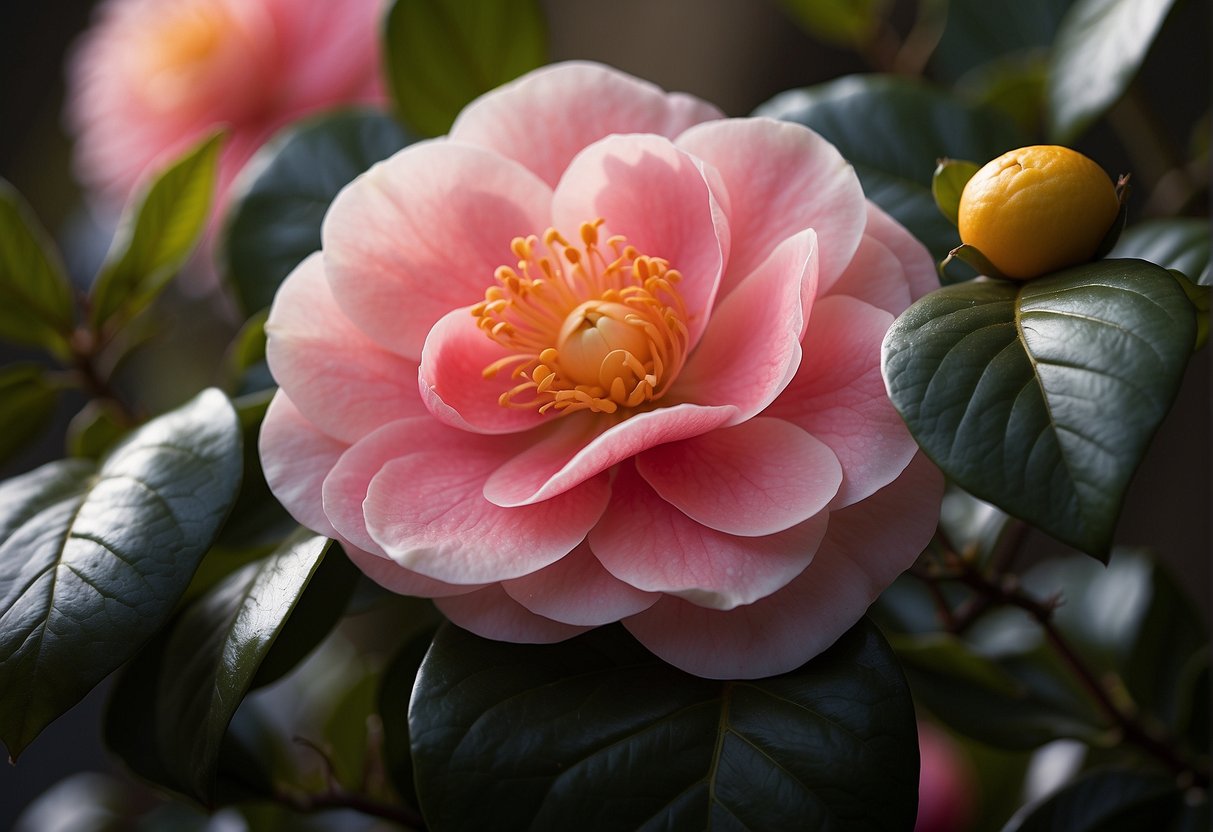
(1037, 209)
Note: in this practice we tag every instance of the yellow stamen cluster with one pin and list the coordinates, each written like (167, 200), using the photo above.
(584, 329)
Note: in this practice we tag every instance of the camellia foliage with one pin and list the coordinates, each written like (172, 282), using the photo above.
(455, 438)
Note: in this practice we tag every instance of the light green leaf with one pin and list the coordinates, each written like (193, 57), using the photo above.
(1100, 45)
(36, 306)
(93, 559)
(597, 734)
(1042, 397)
(441, 54)
(157, 234)
(842, 22)
(948, 183)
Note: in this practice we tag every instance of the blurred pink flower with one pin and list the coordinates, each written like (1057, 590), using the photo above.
(947, 785)
(661, 403)
(151, 77)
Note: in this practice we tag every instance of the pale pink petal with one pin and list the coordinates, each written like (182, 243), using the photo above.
(839, 396)
(295, 458)
(781, 178)
(491, 613)
(422, 233)
(875, 276)
(546, 117)
(756, 478)
(866, 547)
(651, 545)
(426, 509)
(752, 347)
(916, 271)
(340, 379)
(454, 388)
(577, 590)
(656, 196)
(580, 448)
(394, 577)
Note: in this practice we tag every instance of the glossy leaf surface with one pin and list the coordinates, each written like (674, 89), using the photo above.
(1042, 397)
(597, 734)
(94, 558)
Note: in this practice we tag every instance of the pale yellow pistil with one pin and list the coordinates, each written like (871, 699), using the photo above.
(585, 332)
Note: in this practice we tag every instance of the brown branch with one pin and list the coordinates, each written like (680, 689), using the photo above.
(84, 350)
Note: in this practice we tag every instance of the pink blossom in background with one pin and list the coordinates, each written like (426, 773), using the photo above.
(947, 785)
(600, 355)
(152, 77)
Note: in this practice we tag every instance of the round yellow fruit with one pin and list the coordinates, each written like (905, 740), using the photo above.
(1037, 209)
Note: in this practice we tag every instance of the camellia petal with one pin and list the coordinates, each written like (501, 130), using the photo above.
(296, 456)
(548, 116)
(423, 233)
(577, 590)
(653, 546)
(839, 397)
(860, 555)
(781, 180)
(343, 381)
(394, 577)
(752, 479)
(491, 613)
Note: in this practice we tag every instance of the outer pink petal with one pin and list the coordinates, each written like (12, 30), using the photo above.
(422, 233)
(875, 276)
(781, 178)
(581, 448)
(427, 511)
(648, 543)
(839, 397)
(577, 590)
(756, 478)
(296, 456)
(453, 386)
(491, 613)
(866, 547)
(338, 377)
(917, 267)
(658, 197)
(546, 117)
(392, 576)
(752, 347)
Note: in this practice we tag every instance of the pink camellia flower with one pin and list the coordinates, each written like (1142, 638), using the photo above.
(152, 77)
(602, 355)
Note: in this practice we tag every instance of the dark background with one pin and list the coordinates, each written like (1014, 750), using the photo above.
(736, 53)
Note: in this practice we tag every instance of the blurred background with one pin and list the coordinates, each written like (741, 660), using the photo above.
(735, 53)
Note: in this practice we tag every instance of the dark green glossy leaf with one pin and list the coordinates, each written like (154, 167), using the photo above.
(1100, 45)
(1013, 84)
(157, 234)
(215, 650)
(441, 54)
(36, 306)
(1179, 243)
(258, 520)
(597, 734)
(859, 114)
(1042, 397)
(843, 22)
(1105, 801)
(394, 694)
(979, 33)
(1018, 702)
(948, 183)
(974, 257)
(27, 402)
(94, 558)
(280, 200)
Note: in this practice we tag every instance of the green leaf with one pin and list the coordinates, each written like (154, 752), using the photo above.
(979, 33)
(394, 693)
(841, 22)
(36, 306)
(948, 183)
(1181, 244)
(1042, 397)
(157, 234)
(27, 403)
(1018, 702)
(441, 54)
(94, 558)
(94, 430)
(1099, 47)
(279, 202)
(1105, 801)
(1014, 83)
(860, 113)
(215, 650)
(597, 734)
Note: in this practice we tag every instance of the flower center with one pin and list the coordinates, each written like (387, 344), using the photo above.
(585, 329)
